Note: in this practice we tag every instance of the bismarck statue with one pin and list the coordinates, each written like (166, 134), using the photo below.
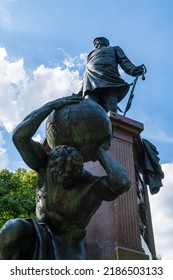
(67, 195)
(102, 81)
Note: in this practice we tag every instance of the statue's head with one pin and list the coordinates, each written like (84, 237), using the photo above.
(100, 42)
(66, 164)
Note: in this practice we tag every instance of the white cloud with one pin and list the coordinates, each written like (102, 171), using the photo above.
(162, 209)
(37, 138)
(75, 61)
(3, 53)
(20, 93)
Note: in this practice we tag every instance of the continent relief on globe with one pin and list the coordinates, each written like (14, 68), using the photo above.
(84, 125)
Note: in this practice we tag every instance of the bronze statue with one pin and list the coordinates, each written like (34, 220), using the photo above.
(102, 82)
(67, 195)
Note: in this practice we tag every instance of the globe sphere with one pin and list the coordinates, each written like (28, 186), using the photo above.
(84, 125)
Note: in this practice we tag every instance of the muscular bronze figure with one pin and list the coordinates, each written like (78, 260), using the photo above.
(67, 195)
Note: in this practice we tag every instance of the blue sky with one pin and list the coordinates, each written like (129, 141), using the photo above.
(43, 46)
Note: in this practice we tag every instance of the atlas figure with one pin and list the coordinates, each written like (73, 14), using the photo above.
(67, 195)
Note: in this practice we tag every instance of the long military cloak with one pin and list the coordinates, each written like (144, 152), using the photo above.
(102, 70)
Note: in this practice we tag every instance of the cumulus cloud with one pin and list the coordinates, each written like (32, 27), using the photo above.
(162, 209)
(21, 93)
(76, 61)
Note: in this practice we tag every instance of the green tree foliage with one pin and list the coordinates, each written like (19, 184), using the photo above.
(17, 194)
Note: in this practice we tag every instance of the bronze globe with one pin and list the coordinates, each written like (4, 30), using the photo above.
(84, 125)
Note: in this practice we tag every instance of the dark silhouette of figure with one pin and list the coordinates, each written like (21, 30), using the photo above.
(67, 195)
(102, 82)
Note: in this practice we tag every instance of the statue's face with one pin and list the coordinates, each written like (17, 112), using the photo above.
(96, 43)
(67, 167)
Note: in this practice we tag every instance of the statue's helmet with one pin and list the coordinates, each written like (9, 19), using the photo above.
(101, 41)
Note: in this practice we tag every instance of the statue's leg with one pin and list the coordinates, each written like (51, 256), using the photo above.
(17, 240)
(109, 99)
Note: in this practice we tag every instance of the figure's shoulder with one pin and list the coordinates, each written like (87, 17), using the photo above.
(90, 55)
(117, 48)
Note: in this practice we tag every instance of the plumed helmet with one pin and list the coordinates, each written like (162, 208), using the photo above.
(102, 40)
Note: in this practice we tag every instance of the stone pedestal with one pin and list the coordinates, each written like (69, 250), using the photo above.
(114, 231)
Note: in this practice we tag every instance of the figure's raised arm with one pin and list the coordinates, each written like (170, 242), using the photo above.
(31, 151)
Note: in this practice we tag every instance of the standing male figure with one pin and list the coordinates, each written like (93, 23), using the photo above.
(67, 196)
(102, 82)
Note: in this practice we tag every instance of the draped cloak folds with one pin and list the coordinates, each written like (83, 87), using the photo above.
(48, 245)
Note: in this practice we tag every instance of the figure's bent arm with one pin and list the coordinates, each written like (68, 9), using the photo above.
(117, 177)
(33, 152)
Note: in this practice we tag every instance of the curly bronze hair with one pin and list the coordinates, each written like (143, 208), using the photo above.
(65, 163)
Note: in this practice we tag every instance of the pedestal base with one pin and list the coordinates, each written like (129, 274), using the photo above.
(114, 231)
(110, 251)
(128, 254)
